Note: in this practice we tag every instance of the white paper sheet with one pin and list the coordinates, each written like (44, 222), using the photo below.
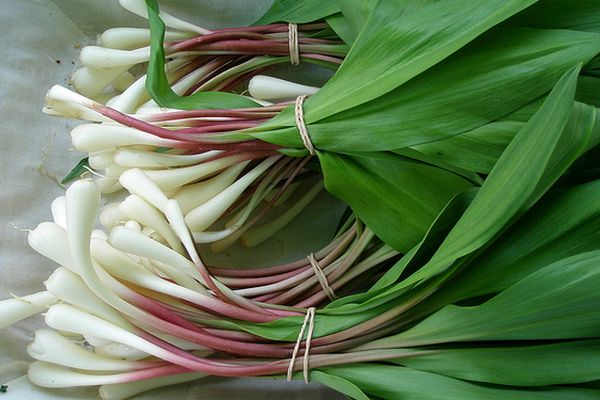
(41, 40)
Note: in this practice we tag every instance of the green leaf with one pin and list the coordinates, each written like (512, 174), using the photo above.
(521, 175)
(565, 223)
(393, 382)
(157, 83)
(300, 12)
(339, 384)
(77, 170)
(410, 45)
(557, 302)
(341, 27)
(579, 15)
(502, 72)
(356, 13)
(396, 197)
(538, 365)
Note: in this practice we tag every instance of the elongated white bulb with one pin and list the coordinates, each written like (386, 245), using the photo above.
(51, 346)
(268, 88)
(16, 309)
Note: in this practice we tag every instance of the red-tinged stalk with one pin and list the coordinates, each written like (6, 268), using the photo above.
(82, 202)
(247, 113)
(222, 126)
(380, 320)
(317, 295)
(336, 245)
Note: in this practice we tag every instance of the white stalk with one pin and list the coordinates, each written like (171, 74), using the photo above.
(90, 81)
(99, 234)
(136, 208)
(133, 38)
(268, 88)
(120, 265)
(131, 98)
(70, 288)
(136, 94)
(50, 375)
(98, 160)
(111, 215)
(121, 391)
(71, 319)
(59, 213)
(97, 137)
(123, 81)
(191, 196)
(234, 228)
(50, 240)
(257, 235)
(102, 57)
(51, 346)
(133, 225)
(64, 102)
(139, 7)
(134, 243)
(176, 219)
(133, 158)
(118, 350)
(18, 308)
(202, 217)
(137, 182)
(96, 341)
(82, 203)
(108, 185)
(112, 170)
(170, 179)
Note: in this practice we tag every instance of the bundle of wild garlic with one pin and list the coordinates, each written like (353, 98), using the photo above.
(461, 134)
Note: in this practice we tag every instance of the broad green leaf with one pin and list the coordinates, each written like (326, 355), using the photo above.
(338, 384)
(393, 382)
(435, 235)
(521, 175)
(538, 365)
(341, 27)
(505, 70)
(588, 90)
(410, 45)
(557, 302)
(565, 223)
(396, 197)
(158, 86)
(300, 12)
(579, 15)
(379, 294)
(479, 149)
(437, 161)
(356, 13)
(476, 150)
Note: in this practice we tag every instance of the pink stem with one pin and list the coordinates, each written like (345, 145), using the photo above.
(222, 126)
(260, 281)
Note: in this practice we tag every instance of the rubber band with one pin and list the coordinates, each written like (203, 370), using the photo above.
(310, 320)
(293, 43)
(321, 277)
(302, 126)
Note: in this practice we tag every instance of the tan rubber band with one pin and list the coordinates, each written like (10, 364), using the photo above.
(302, 126)
(321, 277)
(310, 320)
(293, 43)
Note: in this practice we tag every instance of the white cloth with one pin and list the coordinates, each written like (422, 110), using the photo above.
(40, 48)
